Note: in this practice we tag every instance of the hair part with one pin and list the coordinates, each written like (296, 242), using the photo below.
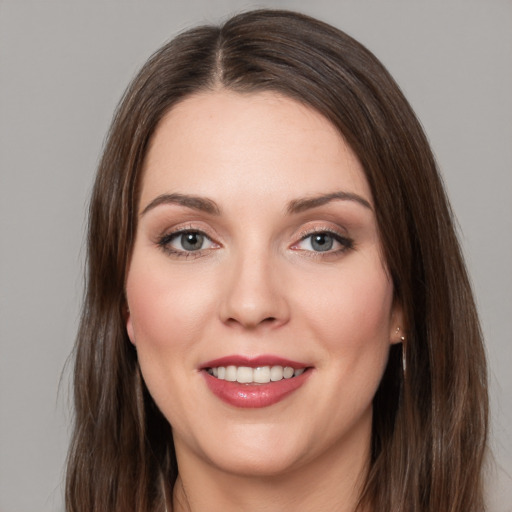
(429, 425)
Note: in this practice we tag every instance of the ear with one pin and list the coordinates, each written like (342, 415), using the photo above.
(129, 324)
(397, 328)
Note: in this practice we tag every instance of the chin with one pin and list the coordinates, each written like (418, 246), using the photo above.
(253, 450)
(257, 463)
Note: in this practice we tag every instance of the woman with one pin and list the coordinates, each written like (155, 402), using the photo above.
(277, 311)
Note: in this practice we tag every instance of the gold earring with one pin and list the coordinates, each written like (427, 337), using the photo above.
(404, 358)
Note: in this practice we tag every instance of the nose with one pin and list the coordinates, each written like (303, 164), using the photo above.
(254, 295)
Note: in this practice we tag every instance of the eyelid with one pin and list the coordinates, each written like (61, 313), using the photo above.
(344, 240)
(177, 236)
(164, 241)
(307, 231)
(184, 227)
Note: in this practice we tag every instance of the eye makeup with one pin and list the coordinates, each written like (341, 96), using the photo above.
(323, 241)
(192, 242)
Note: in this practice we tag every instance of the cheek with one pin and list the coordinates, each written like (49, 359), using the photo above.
(351, 313)
(167, 308)
(167, 316)
(352, 324)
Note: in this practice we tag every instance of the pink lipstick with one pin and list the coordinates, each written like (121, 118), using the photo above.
(254, 382)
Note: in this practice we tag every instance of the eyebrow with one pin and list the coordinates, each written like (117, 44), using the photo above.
(300, 205)
(295, 206)
(195, 202)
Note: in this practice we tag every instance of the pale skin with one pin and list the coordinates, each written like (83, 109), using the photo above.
(257, 282)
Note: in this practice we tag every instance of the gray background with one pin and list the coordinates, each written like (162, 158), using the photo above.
(63, 67)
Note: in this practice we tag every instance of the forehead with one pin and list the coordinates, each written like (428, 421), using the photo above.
(225, 143)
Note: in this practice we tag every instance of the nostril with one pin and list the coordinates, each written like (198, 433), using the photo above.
(253, 302)
(252, 324)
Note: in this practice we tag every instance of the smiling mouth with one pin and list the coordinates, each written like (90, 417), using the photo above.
(254, 382)
(258, 375)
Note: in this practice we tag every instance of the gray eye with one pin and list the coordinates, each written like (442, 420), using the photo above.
(191, 241)
(322, 242)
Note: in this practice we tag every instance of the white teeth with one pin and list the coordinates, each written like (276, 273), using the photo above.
(231, 373)
(288, 372)
(276, 373)
(259, 375)
(244, 375)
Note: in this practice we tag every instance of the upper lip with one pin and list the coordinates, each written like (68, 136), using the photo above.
(253, 362)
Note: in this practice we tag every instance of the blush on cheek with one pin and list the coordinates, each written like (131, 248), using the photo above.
(372, 298)
(360, 312)
(162, 308)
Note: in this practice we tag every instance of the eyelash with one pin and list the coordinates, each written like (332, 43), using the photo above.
(346, 243)
(164, 243)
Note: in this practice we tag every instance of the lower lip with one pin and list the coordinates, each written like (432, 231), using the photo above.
(254, 395)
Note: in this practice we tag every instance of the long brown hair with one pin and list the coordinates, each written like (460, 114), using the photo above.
(430, 418)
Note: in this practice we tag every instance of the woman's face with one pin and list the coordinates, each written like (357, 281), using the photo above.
(257, 257)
